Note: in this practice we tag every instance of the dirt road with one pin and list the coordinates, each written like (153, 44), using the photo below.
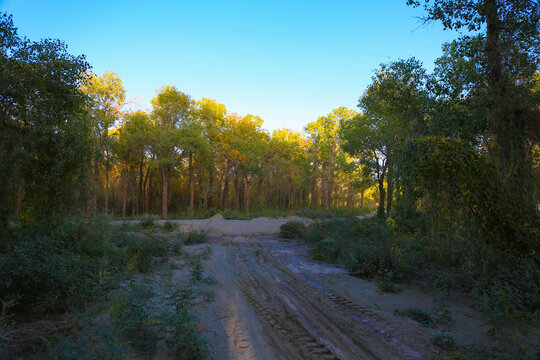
(273, 302)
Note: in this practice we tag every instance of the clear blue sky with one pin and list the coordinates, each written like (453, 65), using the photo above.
(286, 61)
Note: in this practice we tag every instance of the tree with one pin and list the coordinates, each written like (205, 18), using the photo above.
(395, 107)
(324, 135)
(211, 114)
(510, 34)
(170, 108)
(106, 98)
(132, 145)
(43, 133)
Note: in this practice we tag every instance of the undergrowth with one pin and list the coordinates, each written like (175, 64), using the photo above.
(505, 287)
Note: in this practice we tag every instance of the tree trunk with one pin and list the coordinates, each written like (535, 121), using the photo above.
(107, 185)
(18, 200)
(165, 194)
(314, 188)
(236, 192)
(389, 191)
(380, 210)
(225, 200)
(96, 187)
(124, 195)
(146, 189)
(191, 186)
(140, 187)
(246, 195)
(330, 189)
(211, 191)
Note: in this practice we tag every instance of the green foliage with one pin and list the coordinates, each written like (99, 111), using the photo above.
(417, 315)
(145, 252)
(231, 214)
(147, 221)
(170, 226)
(50, 266)
(44, 137)
(313, 214)
(130, 315)
(184, 339)
(175, 246)
(444, 340)
(385, 285)
(195, 236)
(504, 286)
(327, 250)
(292, 230)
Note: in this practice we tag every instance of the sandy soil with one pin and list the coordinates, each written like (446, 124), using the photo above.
(273, 302)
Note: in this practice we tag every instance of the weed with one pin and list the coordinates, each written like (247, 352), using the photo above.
(131, 317)
(183, 336)
(169, 227)
(147, 221)
(444, 340)
(195, 236)
(327, 250)
(292, 230)
(417, 315)
(175, 246)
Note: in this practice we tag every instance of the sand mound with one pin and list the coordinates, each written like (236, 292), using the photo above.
(263, 218)
(217, 217)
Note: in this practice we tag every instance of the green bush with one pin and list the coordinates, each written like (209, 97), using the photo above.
(146, 252)
(327, 250)
(184, 339)
(292, 230)
(147, 221)
(444, 340)
(417, 315)
(195, 237)
(131, 317)
(49, 266)
(175, 246)
(170, 226)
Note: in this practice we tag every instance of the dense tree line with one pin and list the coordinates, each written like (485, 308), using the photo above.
(67, 145)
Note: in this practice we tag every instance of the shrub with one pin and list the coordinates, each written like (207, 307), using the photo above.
(170, 226)
(195, 237)
(327, 250)
(184, 339)
(52, 265)
(231, 214)
(147, 221)
(130, 316)
(292, 230)
(444, 340)
(145, 252)
(417, 315)
(175, 246)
